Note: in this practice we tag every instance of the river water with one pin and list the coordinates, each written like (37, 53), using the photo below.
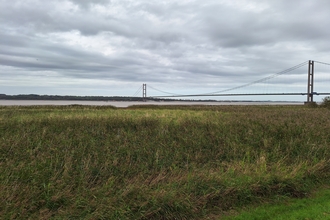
(125, 104)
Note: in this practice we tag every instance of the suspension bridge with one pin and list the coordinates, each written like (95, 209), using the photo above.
(290, 82)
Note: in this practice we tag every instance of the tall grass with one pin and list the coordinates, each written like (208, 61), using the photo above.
(157, 162)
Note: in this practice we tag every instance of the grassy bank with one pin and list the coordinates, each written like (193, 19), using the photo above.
(157, 162)
(315, 207)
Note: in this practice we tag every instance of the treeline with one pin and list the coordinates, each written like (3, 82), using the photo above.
(68, 97)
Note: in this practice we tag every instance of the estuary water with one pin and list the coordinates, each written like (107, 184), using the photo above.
(125, 104)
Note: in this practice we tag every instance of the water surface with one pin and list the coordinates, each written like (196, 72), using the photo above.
(125, 104)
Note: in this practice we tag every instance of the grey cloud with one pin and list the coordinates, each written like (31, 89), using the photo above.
(187, 43)
(231, 28)
(88, 3)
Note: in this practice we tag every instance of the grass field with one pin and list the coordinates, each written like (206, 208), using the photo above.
(149, 162)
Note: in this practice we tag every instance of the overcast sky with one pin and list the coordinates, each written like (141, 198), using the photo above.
(112, 47)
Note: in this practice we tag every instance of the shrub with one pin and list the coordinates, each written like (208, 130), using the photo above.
(326, 102)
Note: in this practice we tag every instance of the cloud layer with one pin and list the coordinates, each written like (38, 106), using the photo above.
(111, 47)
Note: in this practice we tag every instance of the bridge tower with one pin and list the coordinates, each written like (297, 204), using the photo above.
(310, 85)
(144, 92)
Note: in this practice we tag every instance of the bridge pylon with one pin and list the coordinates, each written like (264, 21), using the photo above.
(144, 92)
(310, 83)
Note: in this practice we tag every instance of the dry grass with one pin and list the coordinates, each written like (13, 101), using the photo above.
(157, 162)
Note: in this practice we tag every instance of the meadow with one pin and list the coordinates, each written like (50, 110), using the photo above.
(158, 162)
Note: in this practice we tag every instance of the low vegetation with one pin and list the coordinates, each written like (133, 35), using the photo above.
(326, 102)
(151, 162)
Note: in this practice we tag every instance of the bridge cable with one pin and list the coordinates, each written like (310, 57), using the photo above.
(324, 81)
(138, 91)
(241, 86)
(163, 91)
(260, 80)
(322, 63)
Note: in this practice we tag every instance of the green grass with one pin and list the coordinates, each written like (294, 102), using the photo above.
(316, 207)
(151, 162)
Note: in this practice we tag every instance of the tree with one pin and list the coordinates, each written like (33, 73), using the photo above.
(326, 102)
